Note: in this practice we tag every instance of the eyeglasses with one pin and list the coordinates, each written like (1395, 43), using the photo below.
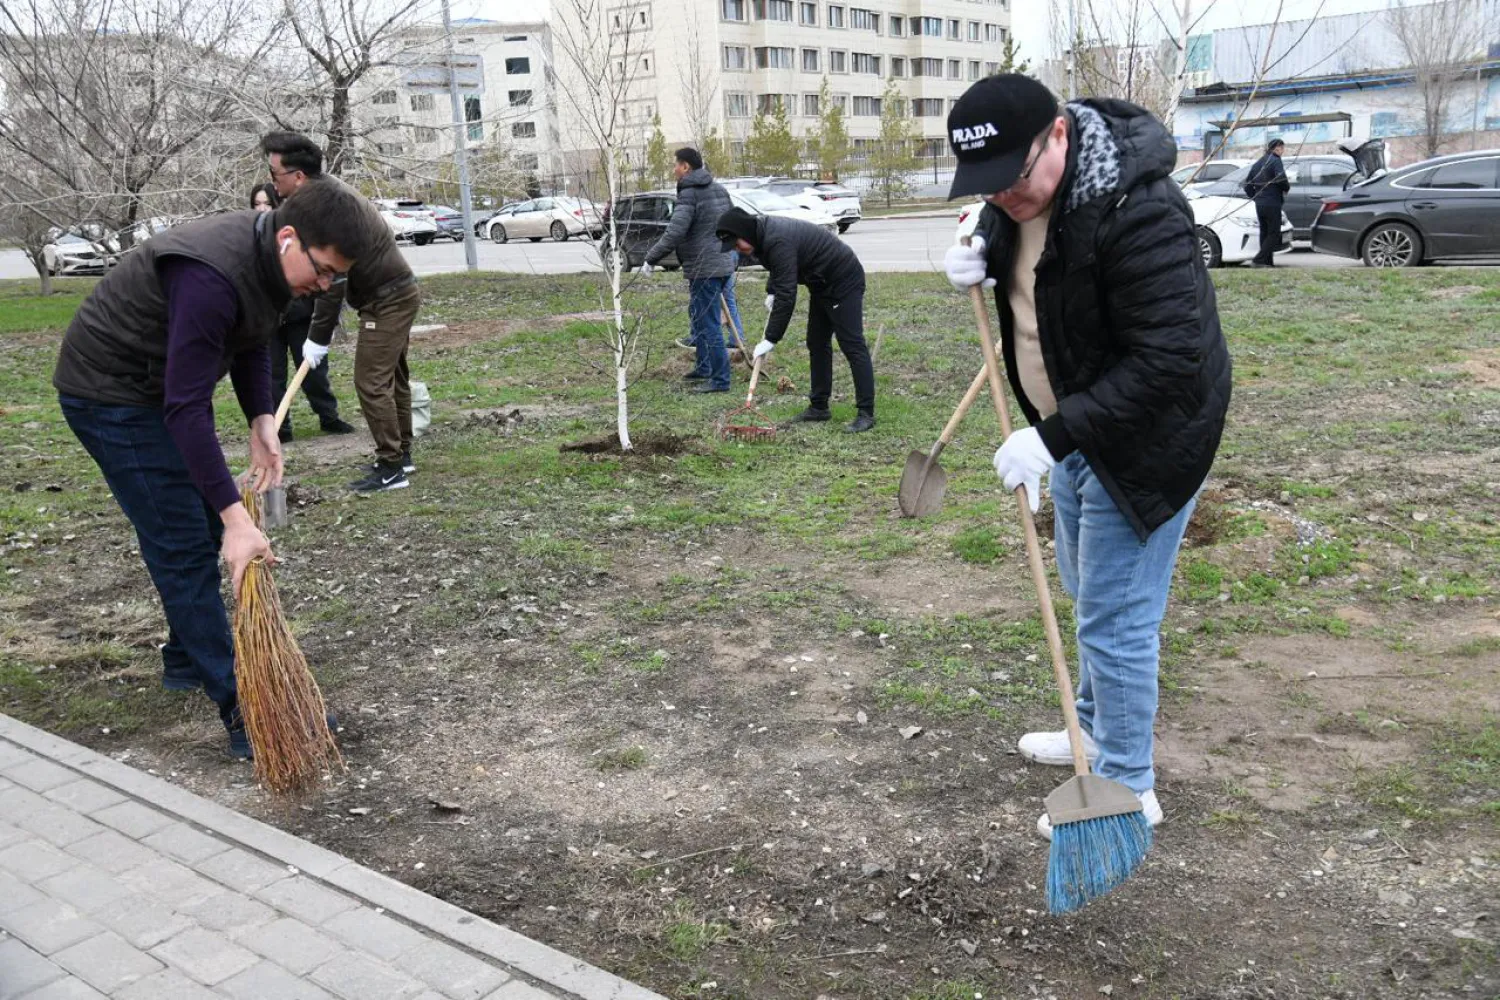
(1025, 173)
(277, 175)
(321, 270)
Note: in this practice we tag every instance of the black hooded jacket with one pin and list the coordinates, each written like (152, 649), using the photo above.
(795, 252)
(1126, 315)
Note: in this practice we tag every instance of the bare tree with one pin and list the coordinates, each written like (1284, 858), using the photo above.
(1441, 42)
(602, 48)
(119, 110)
(699, 78)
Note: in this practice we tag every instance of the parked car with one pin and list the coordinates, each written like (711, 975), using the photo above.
(1447, 208)
(1206, 173)
(408, 219)
(1313, 178)
(738, 183)
(758, 201)
(450, 222)
(557, 217)
(70, 254)
(1227, 228)
(840, 202)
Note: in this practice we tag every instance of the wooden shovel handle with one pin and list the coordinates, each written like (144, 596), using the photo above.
(291, 390)
(975, 388)
(1033, 546)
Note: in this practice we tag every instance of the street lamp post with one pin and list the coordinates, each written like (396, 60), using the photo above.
(460, 149)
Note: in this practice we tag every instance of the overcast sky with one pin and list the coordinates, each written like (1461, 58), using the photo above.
(1028, 17)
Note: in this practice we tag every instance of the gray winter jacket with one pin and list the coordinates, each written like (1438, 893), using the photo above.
(692, 231)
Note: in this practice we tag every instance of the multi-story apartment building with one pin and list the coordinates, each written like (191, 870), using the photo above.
(506, 87)
(715, 64)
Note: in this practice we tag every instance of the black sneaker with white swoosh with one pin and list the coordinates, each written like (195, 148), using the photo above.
(383, 476)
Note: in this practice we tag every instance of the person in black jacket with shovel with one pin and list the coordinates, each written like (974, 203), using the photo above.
(795, 252)
(1111, 338)
(1267, 186)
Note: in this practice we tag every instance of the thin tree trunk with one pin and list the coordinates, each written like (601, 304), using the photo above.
(622, 357)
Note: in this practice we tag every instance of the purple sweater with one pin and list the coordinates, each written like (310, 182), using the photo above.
(202, 307)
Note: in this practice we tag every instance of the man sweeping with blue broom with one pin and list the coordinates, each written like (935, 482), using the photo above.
(1111, 340)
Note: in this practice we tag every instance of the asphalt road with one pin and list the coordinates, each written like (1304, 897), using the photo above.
(899, 244)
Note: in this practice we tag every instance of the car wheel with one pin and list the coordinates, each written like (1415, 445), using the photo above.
(1209, 248)
(498, 234)
(422, 239)
(1392, 244)
(534, 239)
(559, 232)
(844, 226)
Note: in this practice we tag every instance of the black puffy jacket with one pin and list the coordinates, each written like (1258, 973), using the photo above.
(801, 253)
(1126, 315)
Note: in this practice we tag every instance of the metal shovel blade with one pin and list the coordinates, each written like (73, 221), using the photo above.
(923, 483)
(273, 508)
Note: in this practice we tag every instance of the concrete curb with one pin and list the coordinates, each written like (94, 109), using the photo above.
(547, 966)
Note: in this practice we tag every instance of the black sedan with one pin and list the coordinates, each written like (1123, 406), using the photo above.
(1446, 208)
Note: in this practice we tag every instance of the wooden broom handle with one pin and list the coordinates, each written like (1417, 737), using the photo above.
(1033, 546)
(291, 390)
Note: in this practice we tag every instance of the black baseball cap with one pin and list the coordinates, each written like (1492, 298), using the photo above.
(991, 129)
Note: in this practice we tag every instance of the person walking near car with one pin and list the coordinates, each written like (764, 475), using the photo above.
(135, 379)
(384, 292)
(1267, 186)
(1111, 339)
(289, 337)
(708, 268)
(794, 252)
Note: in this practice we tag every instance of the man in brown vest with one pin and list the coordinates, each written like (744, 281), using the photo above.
(383, 290)
(135, 379)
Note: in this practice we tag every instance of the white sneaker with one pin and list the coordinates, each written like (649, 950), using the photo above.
(1149, 806)
(1053, 748)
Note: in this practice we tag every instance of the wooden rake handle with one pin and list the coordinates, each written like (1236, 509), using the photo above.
(1033, 546)
(291, 390)
(754, 378)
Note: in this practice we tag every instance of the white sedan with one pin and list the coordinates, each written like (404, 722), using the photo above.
(1228, 231)
(758, 201)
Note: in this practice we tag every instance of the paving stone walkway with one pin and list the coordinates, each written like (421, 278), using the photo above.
(114, 883)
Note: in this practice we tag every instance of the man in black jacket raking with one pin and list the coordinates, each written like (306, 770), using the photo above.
(1111, 339)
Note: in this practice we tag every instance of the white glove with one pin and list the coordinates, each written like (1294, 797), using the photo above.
(762, 349)
(313, 353)
(770, 302)
(965, 265)
(1022, 461)
(645, 268)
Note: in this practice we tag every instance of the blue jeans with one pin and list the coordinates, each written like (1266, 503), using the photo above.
(179, 535)
(708, 340)
(1119, 585)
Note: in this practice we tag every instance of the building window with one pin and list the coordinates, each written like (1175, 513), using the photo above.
(422, 102)
(523, 130)
(838, 61)
(385, 121)
(992, 33)
(519, 98)
(927, 107)
(809, 14)
(766, 104)
(991, 68)
(898, 25)
(773, 10)
(810, 61)
(898, 66)
(973, 31)
(932, 27)
(973, 69)
(384, 97)
(737, 105)
(864, 20)
(736, 57)
(526, 161)
(390, 148)
(772, 57)
(474, 115)
(835, 16)
(927, 67)
(517, 66)
(955, 69)
(425, 135)
(840, 101)
(864, 62)
(733, 10)
(867, 107)
(810, 106)
(953, 29)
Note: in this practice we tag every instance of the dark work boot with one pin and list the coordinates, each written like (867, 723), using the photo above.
(811, 415)
(861, 423)
(337, 425)
(284, 432)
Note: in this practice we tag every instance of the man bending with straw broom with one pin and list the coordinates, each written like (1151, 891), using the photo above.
(136, 376)
(1112, 344)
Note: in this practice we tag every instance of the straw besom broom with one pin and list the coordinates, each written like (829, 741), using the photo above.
(284, 713)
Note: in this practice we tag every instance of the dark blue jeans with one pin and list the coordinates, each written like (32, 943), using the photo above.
(705, 311)
(178, 533)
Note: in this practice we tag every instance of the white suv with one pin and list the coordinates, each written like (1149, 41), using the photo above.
(409, 219)
(835, 199)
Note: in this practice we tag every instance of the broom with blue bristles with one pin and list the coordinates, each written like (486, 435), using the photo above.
(1099, 833)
